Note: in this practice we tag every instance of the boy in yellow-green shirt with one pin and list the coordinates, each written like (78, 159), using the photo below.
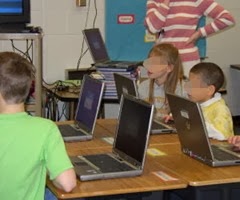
(205, 80)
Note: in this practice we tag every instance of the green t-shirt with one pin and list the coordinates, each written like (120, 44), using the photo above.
(29, 147)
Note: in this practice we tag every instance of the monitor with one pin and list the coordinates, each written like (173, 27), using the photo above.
(14, 14)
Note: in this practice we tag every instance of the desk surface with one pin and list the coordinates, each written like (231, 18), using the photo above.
(148, 181)
(179, 169)
(171, 157)
(193, 171)
(100, 133)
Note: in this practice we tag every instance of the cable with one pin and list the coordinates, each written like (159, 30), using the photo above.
(82, 54)
(95, 17)
(83, 40)
(26, 53)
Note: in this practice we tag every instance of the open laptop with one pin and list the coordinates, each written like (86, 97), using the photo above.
(129, 147)
(127, 85)
(89, 103)
(99, 52)
(193, 135)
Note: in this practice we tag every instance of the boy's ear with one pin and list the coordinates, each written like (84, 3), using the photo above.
(211, 89)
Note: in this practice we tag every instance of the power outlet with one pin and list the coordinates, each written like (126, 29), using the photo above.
(81, 2)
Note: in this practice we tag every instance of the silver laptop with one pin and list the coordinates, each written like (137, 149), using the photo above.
(89, 103)
(193, 135)
(127, 85)
(99, 52)
(129, 147)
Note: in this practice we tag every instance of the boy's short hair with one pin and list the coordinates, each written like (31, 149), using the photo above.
(210, 73)
(15, 77)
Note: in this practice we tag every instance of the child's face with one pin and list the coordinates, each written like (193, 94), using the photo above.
(157, 68)
(197, 90)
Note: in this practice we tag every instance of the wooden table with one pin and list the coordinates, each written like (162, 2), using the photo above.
(98, 139)
(189, 178)
(147, 182)
(220, 182)
(203, 180)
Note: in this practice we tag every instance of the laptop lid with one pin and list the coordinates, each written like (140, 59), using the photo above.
(132, 133)
(192, 131)
(89, 103)
(96, 45)
(129, 148)
(125, 85)
(188, 120)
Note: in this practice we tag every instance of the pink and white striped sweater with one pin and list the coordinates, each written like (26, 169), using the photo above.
(179, 21)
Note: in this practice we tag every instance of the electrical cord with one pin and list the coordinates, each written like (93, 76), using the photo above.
(82, 52)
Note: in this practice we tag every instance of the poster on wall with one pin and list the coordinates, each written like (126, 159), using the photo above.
(125, 35)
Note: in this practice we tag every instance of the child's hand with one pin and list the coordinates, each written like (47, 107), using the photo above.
(168, 118)
(235, 141)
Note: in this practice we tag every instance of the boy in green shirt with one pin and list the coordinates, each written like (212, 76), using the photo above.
(30, 147)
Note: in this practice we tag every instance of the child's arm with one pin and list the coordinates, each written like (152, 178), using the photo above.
(66, 181)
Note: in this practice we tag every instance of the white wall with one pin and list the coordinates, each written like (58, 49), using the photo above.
(62, 23)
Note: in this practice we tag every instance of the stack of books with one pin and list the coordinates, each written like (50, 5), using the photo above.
(107, 74)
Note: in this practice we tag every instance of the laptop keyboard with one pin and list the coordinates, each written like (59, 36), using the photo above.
(168, 125)
(156, 125)
(67, 130)
(222, 155)
(107, 164)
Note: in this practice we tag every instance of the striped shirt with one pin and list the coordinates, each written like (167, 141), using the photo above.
(179, 21)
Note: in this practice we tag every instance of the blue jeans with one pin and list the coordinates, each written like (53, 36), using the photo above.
(49, 195)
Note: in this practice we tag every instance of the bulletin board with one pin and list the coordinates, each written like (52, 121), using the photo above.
(125, 34)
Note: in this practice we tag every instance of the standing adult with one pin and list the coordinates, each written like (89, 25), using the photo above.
(175, 21)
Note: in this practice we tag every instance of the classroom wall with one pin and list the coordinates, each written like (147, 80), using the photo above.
(62, 23)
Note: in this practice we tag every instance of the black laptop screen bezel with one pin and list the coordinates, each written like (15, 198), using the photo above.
(85, 118)
(96, 45)
(134, 125)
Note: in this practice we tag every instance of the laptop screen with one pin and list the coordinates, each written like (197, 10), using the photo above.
(96, 45)
(133, 130)
(89, 102)
(125, 85)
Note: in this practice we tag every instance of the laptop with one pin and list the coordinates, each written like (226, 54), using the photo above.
(99, 52)
(193, 135)
(127, 85)
(89, 103)
(129, 148)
